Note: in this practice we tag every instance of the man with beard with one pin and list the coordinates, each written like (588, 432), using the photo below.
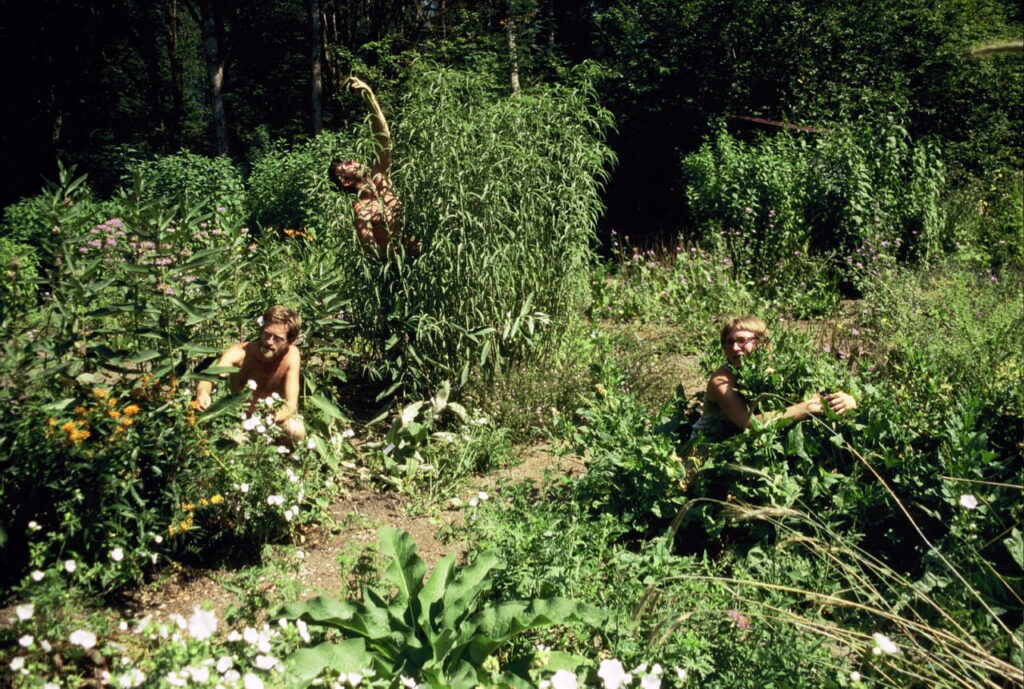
(269, 367)
(378, 210)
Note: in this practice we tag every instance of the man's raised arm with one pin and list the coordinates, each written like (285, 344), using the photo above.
(381, 133)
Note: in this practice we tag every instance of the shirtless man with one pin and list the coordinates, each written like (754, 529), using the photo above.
(378, 211)
(271, 363)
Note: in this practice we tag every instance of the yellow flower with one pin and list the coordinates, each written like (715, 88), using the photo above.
(114, 414)
(81, 411)
(69, 427)
(100, 393)
(217, 499)
(130, 410)
(187, 506)
(127, 421)
(185, 525)
(203, 502)
(52, 422)
(172, 529)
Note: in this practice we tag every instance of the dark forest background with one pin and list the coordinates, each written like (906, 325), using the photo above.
(102, 83)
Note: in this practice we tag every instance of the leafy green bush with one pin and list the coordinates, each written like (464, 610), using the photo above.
(854, 196)
(198, 184)
(112, 481)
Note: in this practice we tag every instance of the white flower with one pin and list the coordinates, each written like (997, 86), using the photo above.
(123, 625)
(116, 554)
(265, 662)
(51, 685)
(351, 678)
(232, 676)
(651, 681)
(563, 679)
(483, 496)
(233, 635)
(45, 645)
(26, 641)
(968, 501)
(250, 423)
(244, 488)
(348, 433)
(303, 629)
(276, 397)
(259, 321)
(291, 475)
(70, 566)
(251, 681)
(855, 676)
(682, 674)
(224, 663)
(37, 575)
(202, 624)
(175, 681)
(282, 450)
(83, 638)
(132, 678)
(407, 682)
(158, 538)
(179, 620)
(884, 644)
(310, 443)
(474, 501)
(275, 500)
(613, 674)
(200, 675)
(288, 514)
(251, 636)
(251, 384)
(25, 611)
(34, 526)
(17, 663)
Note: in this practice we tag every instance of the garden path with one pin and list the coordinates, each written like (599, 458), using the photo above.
(347, 537)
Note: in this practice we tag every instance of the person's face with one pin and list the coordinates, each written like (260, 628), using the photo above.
(273, 341)
(739, 343)
(350, 179)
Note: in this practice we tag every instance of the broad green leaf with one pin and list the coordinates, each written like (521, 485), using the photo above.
(328, 407)
(405, 569)
(223, 406)
(306, 664)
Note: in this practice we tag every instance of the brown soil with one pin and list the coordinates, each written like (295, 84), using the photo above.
(349, 534)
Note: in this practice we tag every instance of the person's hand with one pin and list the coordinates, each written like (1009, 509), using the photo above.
(813, 405)
(841, 402)
(357, 84)
(203, 400)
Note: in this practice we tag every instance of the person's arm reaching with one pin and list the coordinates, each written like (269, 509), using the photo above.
(291, 388)
(232, 357)
(381, 133)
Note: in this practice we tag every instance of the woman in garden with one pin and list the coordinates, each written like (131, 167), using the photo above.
(726, 412)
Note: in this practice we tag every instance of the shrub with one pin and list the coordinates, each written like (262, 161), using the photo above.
(853, 196)
(198, 184)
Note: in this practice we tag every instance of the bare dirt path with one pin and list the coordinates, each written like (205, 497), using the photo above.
(348, 535)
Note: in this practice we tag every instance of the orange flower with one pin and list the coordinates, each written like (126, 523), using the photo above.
(114, 414)
(127, 421)
(80, 410)
(111, 402)
(100, 393)
(130, 410)
(69, 427)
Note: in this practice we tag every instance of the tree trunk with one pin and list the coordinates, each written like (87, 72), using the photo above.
(215, 74)
(177, 73)
(510, 28)
(316, 85)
